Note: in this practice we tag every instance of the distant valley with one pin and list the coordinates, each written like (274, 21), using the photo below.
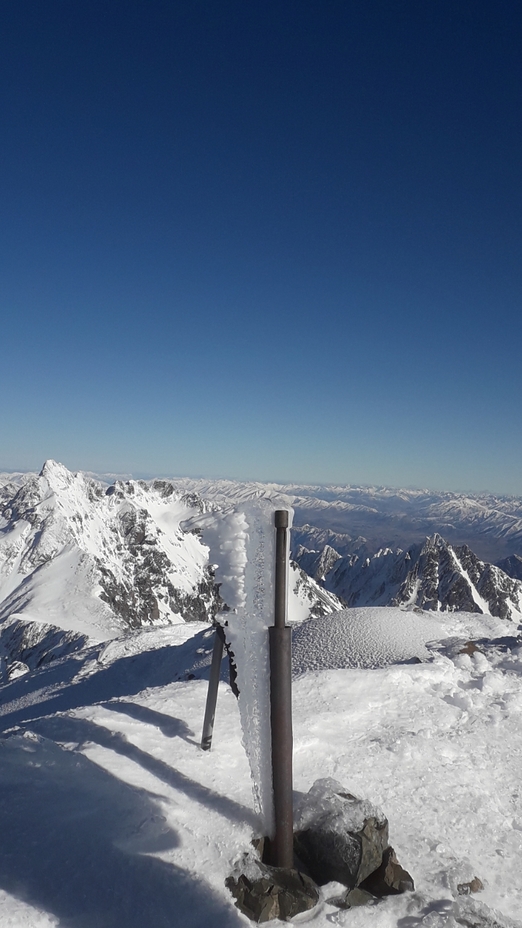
(384, 517)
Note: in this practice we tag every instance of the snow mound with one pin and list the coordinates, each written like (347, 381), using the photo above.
(377, 636)
(371, 637)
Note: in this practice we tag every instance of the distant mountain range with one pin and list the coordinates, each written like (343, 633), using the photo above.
(382, 517)
(434, 575)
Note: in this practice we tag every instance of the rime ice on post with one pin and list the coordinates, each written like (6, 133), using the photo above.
(248, 636)
(243, 545)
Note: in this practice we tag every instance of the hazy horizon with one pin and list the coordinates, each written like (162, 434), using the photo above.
(164, 475)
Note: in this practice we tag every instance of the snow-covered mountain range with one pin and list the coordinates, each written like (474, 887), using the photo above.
(434, 575)
(97, 560)
(369, 545)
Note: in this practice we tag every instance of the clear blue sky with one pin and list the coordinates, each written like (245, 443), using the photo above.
(274, 239)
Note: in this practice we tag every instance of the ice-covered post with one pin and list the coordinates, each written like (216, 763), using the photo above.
(246, 547)
(282, 853)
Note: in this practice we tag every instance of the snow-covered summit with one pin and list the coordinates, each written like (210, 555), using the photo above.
(113, 816)
(98, 559)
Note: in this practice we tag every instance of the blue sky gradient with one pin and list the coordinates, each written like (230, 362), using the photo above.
(278, 241)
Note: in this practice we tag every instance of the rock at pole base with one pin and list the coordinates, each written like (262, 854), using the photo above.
(274, 892)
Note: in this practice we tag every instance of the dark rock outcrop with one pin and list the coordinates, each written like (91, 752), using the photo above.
(512, 566)
(389, 878)
(344, 839)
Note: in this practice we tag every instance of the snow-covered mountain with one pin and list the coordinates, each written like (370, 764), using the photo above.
(350, 517)
(118, 554)
(317, 564)
(434, 575)
(97, 559)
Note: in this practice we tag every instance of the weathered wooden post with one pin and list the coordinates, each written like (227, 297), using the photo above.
(280, 634)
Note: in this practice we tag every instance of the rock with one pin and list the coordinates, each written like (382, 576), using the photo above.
(389, 879)
(355, 897)
(474, 886)
(470, 647)
(343, 838)
(272, 892)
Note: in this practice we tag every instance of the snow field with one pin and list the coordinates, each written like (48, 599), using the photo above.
(117, 819)
(439, 749)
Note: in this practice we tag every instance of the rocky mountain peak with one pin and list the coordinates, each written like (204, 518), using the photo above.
(54, 471)
(434, 576)
(98, 560)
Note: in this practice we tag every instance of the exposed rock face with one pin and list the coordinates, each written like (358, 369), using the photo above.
(347, 857)
(317, 565)
(455, 579)
(389, 878)
(512, 566)
(434, 576)
(315, 599)
(147, 582)
(354, 898)
(474, 886)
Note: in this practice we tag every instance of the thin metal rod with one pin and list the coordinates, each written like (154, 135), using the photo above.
(213, 684)
(280, 636)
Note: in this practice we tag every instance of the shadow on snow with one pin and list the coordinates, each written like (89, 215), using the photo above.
(76, 840)
(60, 687)
(80, 731)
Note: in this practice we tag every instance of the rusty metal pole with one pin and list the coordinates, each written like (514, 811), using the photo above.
(281, 846)
(213, 684)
